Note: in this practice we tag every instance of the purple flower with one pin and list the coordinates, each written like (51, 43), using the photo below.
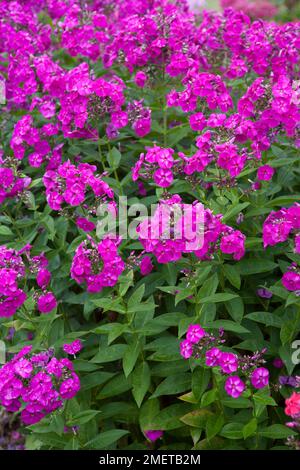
(291, 280)
(85, 224)
(260, 377)
(265, 173)
(146, 265)
(234, 386)
(264, 293)
(69, 387)
(228, 362)
(43, 278)
(288, 380)
(73, 348)
(23, 368)
(46, 303)
(186, 349)
(197, 121)
(278, 363)
(140, 79)
(212, 357)
(195, 333)
(153, 435)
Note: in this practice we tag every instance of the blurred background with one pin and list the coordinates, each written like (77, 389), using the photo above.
(279, 10)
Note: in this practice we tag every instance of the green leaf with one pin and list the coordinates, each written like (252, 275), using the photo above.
(237, 403)
(136, 298)
(173, 384)
(262, 399)
(227, 325)
(246, 267)
(209, 287)
(169, 418)
(224, 297)
(200, 380)
(250, 428)
(290, 327)
(209, 397)
(82, 417)
(197, 418)
(235, 309)
(214, 425)
(95, 379)
(5, 231)
(106, 438)
(233, 211)
(116, 386)
(176, 134)
(268, 319)
(183, 294)
(130, 356)
(140, 382)
(232, 431)
(283, 200)
(232, 274)
(276, 431)
(114, 158)
(110, 353)
(148, 411)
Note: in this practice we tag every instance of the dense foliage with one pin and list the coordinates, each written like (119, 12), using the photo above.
(147, 341)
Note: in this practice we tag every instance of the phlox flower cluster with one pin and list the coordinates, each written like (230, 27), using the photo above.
(200, 344)
(156, 164)
(262, 113)
(36, 384)
(69, 185)
(173, 231)
(278, 227)
(12, 182)
(35, 141)
(97, 265)
(15, 268)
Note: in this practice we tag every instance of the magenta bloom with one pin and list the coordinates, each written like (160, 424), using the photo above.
(234, 386)
(32, 414)
(212, 357)
(278, 363)
(73, 348)
(153, 435)
(197, 121)
(233, 243)
(140, 79)
(142, 126)
(194, 333)
(69, 387)
(43, 278)
(297, 243)
(23, 368)
(260, 377)
(265, 173)
(146, 265)
(186, 349)
(228, 362)
(291, 280)
(163, 177)
(85, 224)
(46, 303)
